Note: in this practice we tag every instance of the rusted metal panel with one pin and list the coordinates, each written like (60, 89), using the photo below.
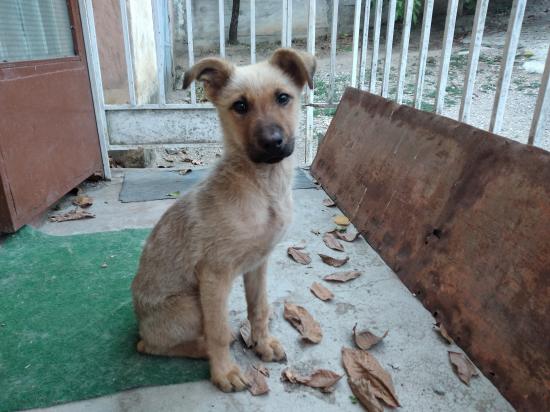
(463, 217)
(48, 135)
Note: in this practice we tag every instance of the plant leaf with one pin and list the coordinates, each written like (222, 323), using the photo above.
(342, 276)
(262, 369)
(320, 291)
(332, 242)
(257, 382)
(299, 256)
(83, 201)
(75, 214)
(366, 339)
(443, 332)
(323, 379)
(174, 194)
(341, 220)
(328, 202)
(345, 236)
(462, 366)
(361, 364)
(245, 333)
(329, 260)
(363, 391)
(302, 320)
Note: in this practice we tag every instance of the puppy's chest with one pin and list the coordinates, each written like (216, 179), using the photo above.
(266, 225)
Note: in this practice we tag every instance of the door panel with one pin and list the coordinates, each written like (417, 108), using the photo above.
(48, 134)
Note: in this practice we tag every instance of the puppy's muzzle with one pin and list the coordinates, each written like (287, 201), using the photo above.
(271, 145)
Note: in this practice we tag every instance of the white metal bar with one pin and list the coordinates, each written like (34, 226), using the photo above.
(452, 8)
(310, 93)
(405, 38)
(284, 30)
(364, 44)
(473, 59)
(423, 56)
(375, 45)
(542, 107)
(289, 24)
(158, 24)
(252, 31)
(510, 48)
(128, 51)
(221, 20)
(333, 35)
(355, 48)
(190, 51)
(94, 72)
(389, 45)
(156, 106)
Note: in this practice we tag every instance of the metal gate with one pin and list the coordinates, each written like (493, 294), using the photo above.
(137, 123)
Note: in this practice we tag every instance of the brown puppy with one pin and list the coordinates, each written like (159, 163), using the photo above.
(229, 224)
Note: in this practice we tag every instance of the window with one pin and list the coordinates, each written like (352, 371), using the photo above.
(34, 30)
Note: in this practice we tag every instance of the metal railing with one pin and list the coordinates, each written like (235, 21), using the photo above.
(359, 61)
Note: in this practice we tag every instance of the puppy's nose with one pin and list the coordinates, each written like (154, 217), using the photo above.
(271, 137)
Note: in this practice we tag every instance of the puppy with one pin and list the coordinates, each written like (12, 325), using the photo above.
(229, 224)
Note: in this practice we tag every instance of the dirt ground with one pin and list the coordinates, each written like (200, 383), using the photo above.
(526, 77)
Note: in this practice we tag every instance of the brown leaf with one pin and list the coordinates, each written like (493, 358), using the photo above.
(341, 220)
(299, 256)
(366, 339)
(257, 384)
(342, 276)
(363, 391)
(323, 379)
(329, 260)
(443, 332)
(345, 236)
(320, 291)
(332, 242)
(75, 214)
(83, 201)
(462, 366)
(328, 202)
(245, 333)
(262, 369)
(361, 364)
(301, 319)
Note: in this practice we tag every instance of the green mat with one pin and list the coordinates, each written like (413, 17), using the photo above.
(67, 328)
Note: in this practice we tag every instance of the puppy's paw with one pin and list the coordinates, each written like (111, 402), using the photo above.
(270, 349)
(228, 379)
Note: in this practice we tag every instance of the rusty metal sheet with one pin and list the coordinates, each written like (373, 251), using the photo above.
(463, 217)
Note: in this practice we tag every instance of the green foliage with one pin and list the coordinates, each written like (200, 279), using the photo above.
(416, 13)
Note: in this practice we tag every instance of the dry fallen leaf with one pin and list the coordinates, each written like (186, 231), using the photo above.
(75, 214)
(262, 369)
(342, 276)
(196, 162)
(341, 220)
(323, 379)
(245, 333)
(361, 364)
(320, 291)
(257, 384)
(366, 339)
(299, 256)
(345, 236)
(329, 260)
(185, 171)
(83, 201)
(362, 389)
(328, 202)
(302, 320)
(443, 332)
(332, 242)
(462, 366)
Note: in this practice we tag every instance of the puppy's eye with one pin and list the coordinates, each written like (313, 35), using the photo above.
(283, 99)
(240, 106)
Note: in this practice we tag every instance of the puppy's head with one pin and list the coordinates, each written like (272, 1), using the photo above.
(258, 105)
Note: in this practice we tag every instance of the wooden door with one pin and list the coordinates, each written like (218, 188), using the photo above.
(48, 134)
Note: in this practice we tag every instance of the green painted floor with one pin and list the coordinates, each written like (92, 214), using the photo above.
(67, 329)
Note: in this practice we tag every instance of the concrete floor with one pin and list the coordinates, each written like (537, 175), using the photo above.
(413, 352)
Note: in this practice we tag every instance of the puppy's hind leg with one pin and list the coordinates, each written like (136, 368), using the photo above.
(189, 349)
(214, 291)
(265, 345)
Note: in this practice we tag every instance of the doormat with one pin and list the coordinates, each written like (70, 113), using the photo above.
(67, 327)
(153, 184)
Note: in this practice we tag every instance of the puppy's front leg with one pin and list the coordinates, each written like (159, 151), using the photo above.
(214, 291)
(265, 345)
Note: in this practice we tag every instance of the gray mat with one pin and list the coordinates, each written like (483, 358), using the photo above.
(154, 184)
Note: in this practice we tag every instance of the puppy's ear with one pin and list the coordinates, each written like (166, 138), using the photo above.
(298, 65)
(213, 72)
